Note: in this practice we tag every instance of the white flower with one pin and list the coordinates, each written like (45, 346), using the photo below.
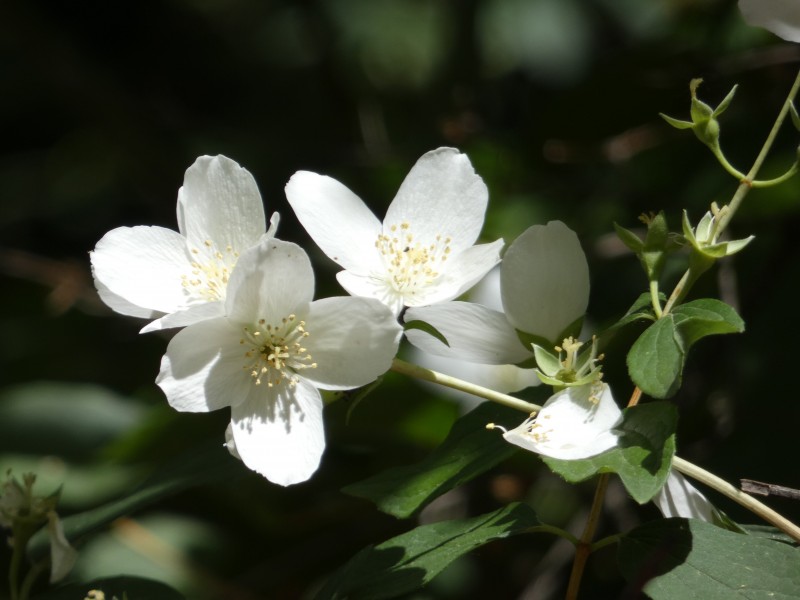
(781, 17)
(423, 252)
(679, 498)
(544, 281)
(269, 354)
(182, 276)
(575, 423)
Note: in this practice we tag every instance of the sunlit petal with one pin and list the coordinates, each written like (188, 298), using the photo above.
(278, 432)
(351, 340)
(337, 220)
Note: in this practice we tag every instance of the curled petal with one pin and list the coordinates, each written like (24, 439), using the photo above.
(679, 498)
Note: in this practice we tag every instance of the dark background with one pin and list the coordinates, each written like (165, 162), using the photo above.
(103, 105)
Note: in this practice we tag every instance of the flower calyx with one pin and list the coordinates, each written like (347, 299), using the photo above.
(704, 121)
(657, 243)
(703, 238)
(569, 367)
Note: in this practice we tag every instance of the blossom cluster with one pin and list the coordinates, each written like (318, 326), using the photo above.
(253, 338)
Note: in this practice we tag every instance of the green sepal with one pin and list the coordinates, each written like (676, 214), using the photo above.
(548, 363)
(643, 457)
(629, 238)
(656, 245)
(676, 123)
(427, 328)
(409, 561)
(726, 101)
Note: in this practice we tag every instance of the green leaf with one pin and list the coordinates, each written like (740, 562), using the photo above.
(655, 361)
(676, 559)
(210, 463)
(468, 451)
(427, 328)
(708, 316)
(409, 561)
(641, 309)
(134, 588)
(644, 455)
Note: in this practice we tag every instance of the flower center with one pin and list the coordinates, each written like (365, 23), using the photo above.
(410, 264)
(275, 352)
(211, 269)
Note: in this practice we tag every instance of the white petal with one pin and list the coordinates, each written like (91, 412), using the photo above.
(441, 195)
(474, 332)
(462, 272)
(371, 287)
(143, 267)
(119, 305)
(62, 555)
(337, 220)
(221, 203)
(781, 17)
(679, 498)
(575, 423)
(270, 281)
(545, 280)
(279, 433)
(352, 340)
(203, 368)
(188, 316)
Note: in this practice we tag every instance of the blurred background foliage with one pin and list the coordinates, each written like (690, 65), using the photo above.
(105, 104)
